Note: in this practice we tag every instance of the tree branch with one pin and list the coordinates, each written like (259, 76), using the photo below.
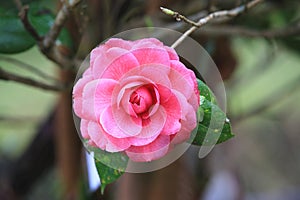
(27, 25)
(12, 77)
(61, 17)
(28, 67)
(223, 14)
(47, 43)
(228, 30)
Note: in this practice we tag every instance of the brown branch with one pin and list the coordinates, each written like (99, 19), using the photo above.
(27, 25)
(7, 76)
(227, 30)
(47, 43)
(61, 17)
(28, 67)
(223, 14)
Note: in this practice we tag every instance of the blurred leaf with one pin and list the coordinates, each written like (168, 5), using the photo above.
(292, 43)
(14, 38)
(42, 19)
(213, 121)
(107, 174)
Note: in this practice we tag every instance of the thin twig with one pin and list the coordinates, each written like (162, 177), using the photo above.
(227, 30)
(28, 67)
(27, 25)
(4, 75)
(47, 43)
(59, 22)
(219, 14)
(178, 16)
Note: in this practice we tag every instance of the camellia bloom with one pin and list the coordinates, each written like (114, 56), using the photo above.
(136, 97)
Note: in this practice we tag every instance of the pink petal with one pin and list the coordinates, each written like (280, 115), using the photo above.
(103, 95)
(88, 72)
(156, 73)
(77, 106)
(172, 53)
(184, 104)
(98, 137)
(118, 124)
(172, 108)
(111, 60)
(119, 65)
(187, 126)
(88, 101)
(152, 130)
(152, 55)
(121, 143)
(123, 93)
(84, 128)
(153, 151)
(181, 79)
(95, 53)
(78, 87)
(117, 42)
(147, 42)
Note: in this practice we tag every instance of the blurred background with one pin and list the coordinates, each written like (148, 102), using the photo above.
(257, 54)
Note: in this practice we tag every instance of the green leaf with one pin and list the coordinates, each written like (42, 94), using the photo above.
(42, 19)
(214, 127)
(206, 92)
(14, 38)
(105, 161)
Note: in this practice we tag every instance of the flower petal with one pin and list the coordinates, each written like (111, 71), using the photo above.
(103, 95)
(117, 42)
(154, 73)
(78, 87)
(88, 101)
(84, 128)
(187, 127)
(150, 132)
(172, 53)
(98, 137)
(151, 55)
(155, 150)
(77, 106)
(120, 65)
(181, 79)
(148, 42)
(172, 108)
(118, 124)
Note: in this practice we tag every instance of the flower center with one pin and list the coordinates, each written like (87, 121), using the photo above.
(141, 99)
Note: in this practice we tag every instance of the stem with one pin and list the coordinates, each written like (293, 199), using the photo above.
(223, 14)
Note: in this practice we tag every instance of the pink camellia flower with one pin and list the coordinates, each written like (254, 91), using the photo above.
(136, 97)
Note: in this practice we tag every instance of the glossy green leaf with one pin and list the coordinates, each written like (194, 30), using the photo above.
(104, 160)
(13, 37)
(206, 92)
(214, 127)
(42, 20)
